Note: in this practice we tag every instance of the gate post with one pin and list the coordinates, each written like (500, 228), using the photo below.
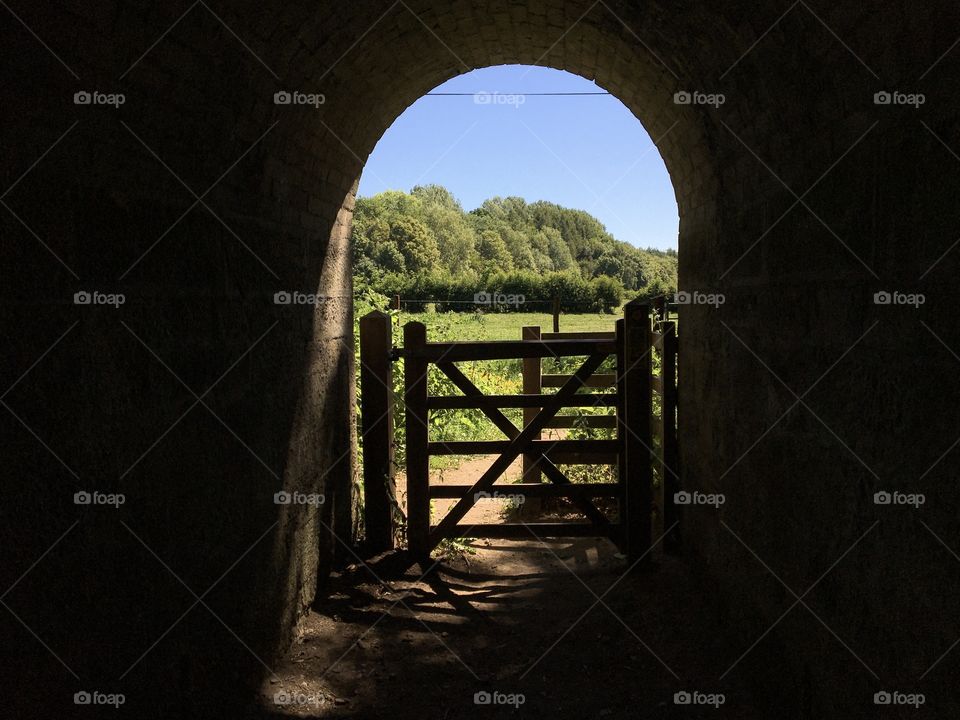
(635, 386)
(531, 386)
(670, 466)
(376, 414)
(418, 462)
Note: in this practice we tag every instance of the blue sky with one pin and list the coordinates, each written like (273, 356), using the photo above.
(586, 152)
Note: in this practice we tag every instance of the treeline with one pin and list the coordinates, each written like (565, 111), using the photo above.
(504, 292)
(423, 246)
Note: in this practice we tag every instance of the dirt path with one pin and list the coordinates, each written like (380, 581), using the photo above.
(489, 510)
(514, 618)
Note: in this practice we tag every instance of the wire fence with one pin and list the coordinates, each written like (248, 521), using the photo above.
(504, 302)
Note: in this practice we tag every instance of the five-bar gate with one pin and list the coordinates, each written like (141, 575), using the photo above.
(640, 506)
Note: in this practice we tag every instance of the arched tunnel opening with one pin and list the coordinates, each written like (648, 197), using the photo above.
(157, 195)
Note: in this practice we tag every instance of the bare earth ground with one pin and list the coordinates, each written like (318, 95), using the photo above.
(513, 617)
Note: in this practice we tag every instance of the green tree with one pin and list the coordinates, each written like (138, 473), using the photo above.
(423, 243)
(494, 253)
(414, 241)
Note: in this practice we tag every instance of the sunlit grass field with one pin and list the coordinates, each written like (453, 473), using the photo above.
(503, 326)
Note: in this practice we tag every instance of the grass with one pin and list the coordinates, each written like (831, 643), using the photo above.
(503, 326)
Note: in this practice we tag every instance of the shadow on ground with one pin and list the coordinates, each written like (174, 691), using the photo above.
(557, 623)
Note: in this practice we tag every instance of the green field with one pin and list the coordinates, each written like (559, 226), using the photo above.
(502, 326)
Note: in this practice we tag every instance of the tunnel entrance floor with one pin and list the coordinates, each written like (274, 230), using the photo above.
(519, 617)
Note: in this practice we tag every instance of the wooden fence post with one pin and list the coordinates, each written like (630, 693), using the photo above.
(556, 313)
(532, 371)
(670, 466)
(637, 441)
(659, 309)
(418, 462)
(621, 432)
(376, 413)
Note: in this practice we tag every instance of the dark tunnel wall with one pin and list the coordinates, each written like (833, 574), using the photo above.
(199, 198)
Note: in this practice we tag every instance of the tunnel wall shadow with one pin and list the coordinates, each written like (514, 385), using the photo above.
(199, 113)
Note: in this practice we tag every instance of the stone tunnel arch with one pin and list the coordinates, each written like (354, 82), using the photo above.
(408, 51)
(799, 121)
(734, 171)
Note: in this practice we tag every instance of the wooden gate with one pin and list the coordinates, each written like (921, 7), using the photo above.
(629, 392)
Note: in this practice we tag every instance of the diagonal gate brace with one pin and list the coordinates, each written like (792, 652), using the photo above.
(502, 422)
(518, 445)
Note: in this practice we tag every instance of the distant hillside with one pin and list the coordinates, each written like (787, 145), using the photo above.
(403, 241)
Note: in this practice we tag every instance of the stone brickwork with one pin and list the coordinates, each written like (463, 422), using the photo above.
(199, 198)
